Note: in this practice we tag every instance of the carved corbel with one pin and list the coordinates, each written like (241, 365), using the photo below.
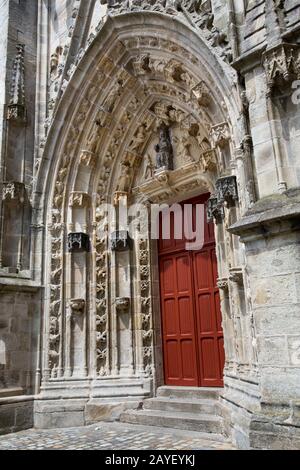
(77, 306)
(223, 284)
(227, 190)
(78, 242)
(236, 275)
(13, 193)
(120, 241)
(123, 304)
(79, 199)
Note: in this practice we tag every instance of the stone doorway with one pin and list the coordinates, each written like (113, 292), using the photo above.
(193, 343)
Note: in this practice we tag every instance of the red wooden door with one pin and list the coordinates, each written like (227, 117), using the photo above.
(191, 316)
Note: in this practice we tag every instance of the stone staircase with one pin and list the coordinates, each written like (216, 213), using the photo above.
(184, 408)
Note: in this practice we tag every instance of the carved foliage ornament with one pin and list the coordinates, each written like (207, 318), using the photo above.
(146, 312)
(101, 306)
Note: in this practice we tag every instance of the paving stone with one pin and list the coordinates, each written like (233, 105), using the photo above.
(110, 436)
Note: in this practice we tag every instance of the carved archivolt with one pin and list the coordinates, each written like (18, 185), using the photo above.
(131, 106)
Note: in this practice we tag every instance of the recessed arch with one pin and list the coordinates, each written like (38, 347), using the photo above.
(131, 80)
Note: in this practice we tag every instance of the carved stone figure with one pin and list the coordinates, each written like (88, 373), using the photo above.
(183, 144)
(164, 150)
(149, 170)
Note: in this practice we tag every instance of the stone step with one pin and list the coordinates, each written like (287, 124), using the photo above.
(184, 421)
(207, 406)
(189, 393)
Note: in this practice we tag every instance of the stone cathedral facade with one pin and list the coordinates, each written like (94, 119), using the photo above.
(115, 103)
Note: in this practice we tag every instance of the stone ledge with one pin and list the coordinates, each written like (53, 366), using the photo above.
(270, 210)
(11, 400)
(18, 284)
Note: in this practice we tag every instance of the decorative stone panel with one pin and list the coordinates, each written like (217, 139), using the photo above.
(227, 190)
(120, 241)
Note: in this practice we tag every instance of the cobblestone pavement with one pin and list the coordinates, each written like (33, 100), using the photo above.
(109, 436)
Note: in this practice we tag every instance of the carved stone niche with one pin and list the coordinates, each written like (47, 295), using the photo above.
(77, 306)
(120, 240)
(282, 66)
(13, 193)
(16, 113)
(123, 304)
(78, 242)
(227, 190)
(215, 211)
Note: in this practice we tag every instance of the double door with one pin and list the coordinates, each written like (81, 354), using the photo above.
(193, 343)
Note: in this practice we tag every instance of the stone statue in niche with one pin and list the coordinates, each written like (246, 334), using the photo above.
(183, 145)
(149, 170)
(164, 150)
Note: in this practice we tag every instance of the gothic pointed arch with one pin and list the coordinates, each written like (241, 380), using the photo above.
(132, 87)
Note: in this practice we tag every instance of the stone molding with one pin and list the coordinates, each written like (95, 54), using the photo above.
(272, 214)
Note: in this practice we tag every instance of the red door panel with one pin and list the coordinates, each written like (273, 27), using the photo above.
(178, 320)
(191, 314)
(208, 314)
